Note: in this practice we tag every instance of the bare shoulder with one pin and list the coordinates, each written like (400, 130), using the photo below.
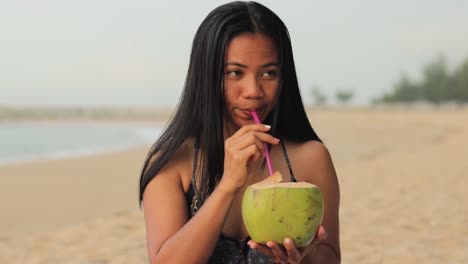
(311, 161)
(314, 150)
(176, 168)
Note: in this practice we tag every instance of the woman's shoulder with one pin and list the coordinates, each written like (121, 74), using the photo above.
(180, 160)
(183, 153)
(178, 168)
(311, 160)
(311, 149)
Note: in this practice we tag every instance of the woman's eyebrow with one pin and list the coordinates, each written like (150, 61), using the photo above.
(235, 64)
(268, 64)
(273, 63)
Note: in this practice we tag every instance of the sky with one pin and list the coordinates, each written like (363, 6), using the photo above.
(136, 53)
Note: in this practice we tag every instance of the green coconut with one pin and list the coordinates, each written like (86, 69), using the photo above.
(273, 210)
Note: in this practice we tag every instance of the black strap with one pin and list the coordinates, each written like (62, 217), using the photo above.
(195, 203)
(293, 179)
(194, 167)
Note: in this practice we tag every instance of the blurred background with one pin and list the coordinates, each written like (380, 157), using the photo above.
(86, 87)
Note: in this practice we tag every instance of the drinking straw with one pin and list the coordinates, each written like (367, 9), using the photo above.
(265, 146)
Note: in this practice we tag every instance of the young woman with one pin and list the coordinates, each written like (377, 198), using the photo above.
(194, 177)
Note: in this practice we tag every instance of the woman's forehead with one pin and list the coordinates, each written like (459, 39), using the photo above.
(251, 48)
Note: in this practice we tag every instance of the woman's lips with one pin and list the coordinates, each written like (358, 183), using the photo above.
(246, 113)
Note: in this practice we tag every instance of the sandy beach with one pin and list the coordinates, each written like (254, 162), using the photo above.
(403, 176)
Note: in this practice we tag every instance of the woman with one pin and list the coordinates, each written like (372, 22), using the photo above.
(194, 176)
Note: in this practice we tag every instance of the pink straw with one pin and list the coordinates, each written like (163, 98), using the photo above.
(265, 146)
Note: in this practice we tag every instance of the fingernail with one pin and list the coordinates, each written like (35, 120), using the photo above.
(267, 126)
(277, 140)
(288, 241)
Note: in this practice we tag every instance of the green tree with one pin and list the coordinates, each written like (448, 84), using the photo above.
(460, 83)
(403, 91)
(344, 96)
(318, 96)
(437, 85)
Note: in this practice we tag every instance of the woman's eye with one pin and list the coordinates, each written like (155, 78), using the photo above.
(234, 73)
(269, 74)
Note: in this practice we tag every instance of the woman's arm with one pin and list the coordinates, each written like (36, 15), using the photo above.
(171, 236)
(316, 167)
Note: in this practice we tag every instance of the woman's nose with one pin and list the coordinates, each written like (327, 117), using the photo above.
(252, 88)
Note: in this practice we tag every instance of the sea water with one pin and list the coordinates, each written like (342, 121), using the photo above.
(32, 141)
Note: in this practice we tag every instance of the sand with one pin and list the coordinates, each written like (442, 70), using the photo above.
(403, 178)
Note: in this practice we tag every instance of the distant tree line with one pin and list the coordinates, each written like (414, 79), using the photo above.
(320, 99)
(437, 86)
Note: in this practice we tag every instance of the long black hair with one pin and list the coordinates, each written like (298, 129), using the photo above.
(199, 113)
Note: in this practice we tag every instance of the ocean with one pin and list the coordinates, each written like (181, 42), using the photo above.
(21, 142)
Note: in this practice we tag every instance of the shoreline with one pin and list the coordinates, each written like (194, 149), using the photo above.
(140, 134)
(57, 156)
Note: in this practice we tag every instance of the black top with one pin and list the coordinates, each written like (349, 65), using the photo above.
(229, 250)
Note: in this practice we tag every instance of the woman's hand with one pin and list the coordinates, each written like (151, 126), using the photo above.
(288, 253)
(244, 146)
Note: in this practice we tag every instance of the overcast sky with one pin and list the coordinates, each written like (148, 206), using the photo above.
(135, 53)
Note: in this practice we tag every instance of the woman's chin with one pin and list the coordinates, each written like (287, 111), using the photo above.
(237, 124)
(244, 122)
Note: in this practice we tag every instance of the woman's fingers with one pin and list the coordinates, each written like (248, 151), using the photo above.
(290, 253)
(320, 236)
(257, 138)
(278, 252)
(256, 127)
(261, 248)
(239, 142)
(260, 131)
(269, 251)
(247, 144)
(294, 256)
(251, 151)
(251, 139)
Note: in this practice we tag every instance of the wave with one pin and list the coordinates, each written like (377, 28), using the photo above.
(32, 142)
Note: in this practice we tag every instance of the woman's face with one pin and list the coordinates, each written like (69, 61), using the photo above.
(251, 78)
